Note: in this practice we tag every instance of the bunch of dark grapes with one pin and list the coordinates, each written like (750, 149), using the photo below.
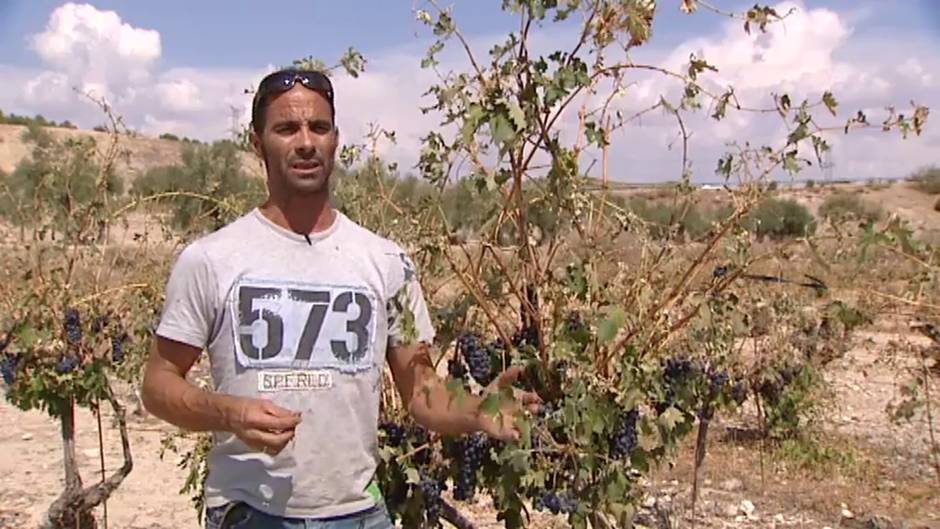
(394, 433)
(117, 347)
(67, 364)
(473, 449)
(788, 374)
(677, 368)
(739, 392)
(555, 502)
(419, 437)
(456, 368)
(675, 371)
(526, 336)
(720, 271)
(99, 323)
(624, 439)
(717, 380)
(773, 387)
(431, 493)
(573, 323)
(477, 357)
(73, 327)
(8, 368)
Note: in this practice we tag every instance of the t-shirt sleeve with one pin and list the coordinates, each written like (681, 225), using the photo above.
(189, 309)
(409, 321)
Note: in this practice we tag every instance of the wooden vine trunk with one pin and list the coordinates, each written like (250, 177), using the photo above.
(73, 508)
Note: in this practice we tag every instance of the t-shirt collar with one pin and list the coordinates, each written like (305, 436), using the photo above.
(338, 218)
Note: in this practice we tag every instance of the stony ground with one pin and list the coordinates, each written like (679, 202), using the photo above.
(880, 478)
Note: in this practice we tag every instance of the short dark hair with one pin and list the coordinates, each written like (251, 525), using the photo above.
(282, 80)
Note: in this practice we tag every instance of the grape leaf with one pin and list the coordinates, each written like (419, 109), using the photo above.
(490, 404)
(611, 325)
(670, 418)
(517, 116)
(501, 129)
(830, 101)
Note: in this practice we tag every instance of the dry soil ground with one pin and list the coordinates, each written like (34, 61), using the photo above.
(886, 479)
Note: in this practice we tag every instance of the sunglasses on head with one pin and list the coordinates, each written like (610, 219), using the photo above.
(283, 81)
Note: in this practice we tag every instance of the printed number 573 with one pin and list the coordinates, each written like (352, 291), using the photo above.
(320, 304)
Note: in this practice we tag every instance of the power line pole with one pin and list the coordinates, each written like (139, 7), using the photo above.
(827, 165)
(236, 114)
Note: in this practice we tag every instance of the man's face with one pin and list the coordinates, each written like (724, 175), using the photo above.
(298, 143)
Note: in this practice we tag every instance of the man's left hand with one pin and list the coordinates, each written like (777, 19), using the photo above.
(502, 424)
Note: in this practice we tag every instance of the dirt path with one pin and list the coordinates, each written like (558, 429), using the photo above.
(31, 471)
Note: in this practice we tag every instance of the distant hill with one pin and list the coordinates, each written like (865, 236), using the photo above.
(145, 152)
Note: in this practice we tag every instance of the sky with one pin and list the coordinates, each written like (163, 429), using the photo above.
(183, 68)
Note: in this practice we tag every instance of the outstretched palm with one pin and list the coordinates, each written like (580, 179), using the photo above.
(502, 424)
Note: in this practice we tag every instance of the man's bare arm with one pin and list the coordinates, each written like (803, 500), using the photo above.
(168, 395)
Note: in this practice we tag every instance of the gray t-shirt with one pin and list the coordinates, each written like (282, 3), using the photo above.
(306, 325)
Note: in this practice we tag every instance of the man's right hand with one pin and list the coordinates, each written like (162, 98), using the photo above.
(263, 425)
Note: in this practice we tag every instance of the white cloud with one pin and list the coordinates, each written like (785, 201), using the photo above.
(812, 51)
(96, 47)
(48, 89)
(180, 95)
(914, 70)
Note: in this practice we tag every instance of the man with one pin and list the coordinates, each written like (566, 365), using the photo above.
(300, 310)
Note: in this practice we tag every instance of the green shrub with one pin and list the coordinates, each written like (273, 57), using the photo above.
(38, 120)
(663, 217)
(780, 219)
(213, 182)
(843, 206)
(170, 137)
(58, 179)
(927, 180)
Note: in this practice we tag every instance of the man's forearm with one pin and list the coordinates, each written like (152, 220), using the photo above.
(435, 408)
(178, 402)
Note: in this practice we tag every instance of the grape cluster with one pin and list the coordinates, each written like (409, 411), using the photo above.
(473, 448)
(573, 323)
(8, 368)
(66, 364)
(456, 368)
(117, 348)
(717, 380)
(99, 323)
(624, 439)
(526, 336)
(772, 388)
(678, 368)
(394, 433)
(739, 392)
(73, 327)
(431, 493)
(419, 437)
(788, 374)
(720, 271)
(555, 502)
(477, 356)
